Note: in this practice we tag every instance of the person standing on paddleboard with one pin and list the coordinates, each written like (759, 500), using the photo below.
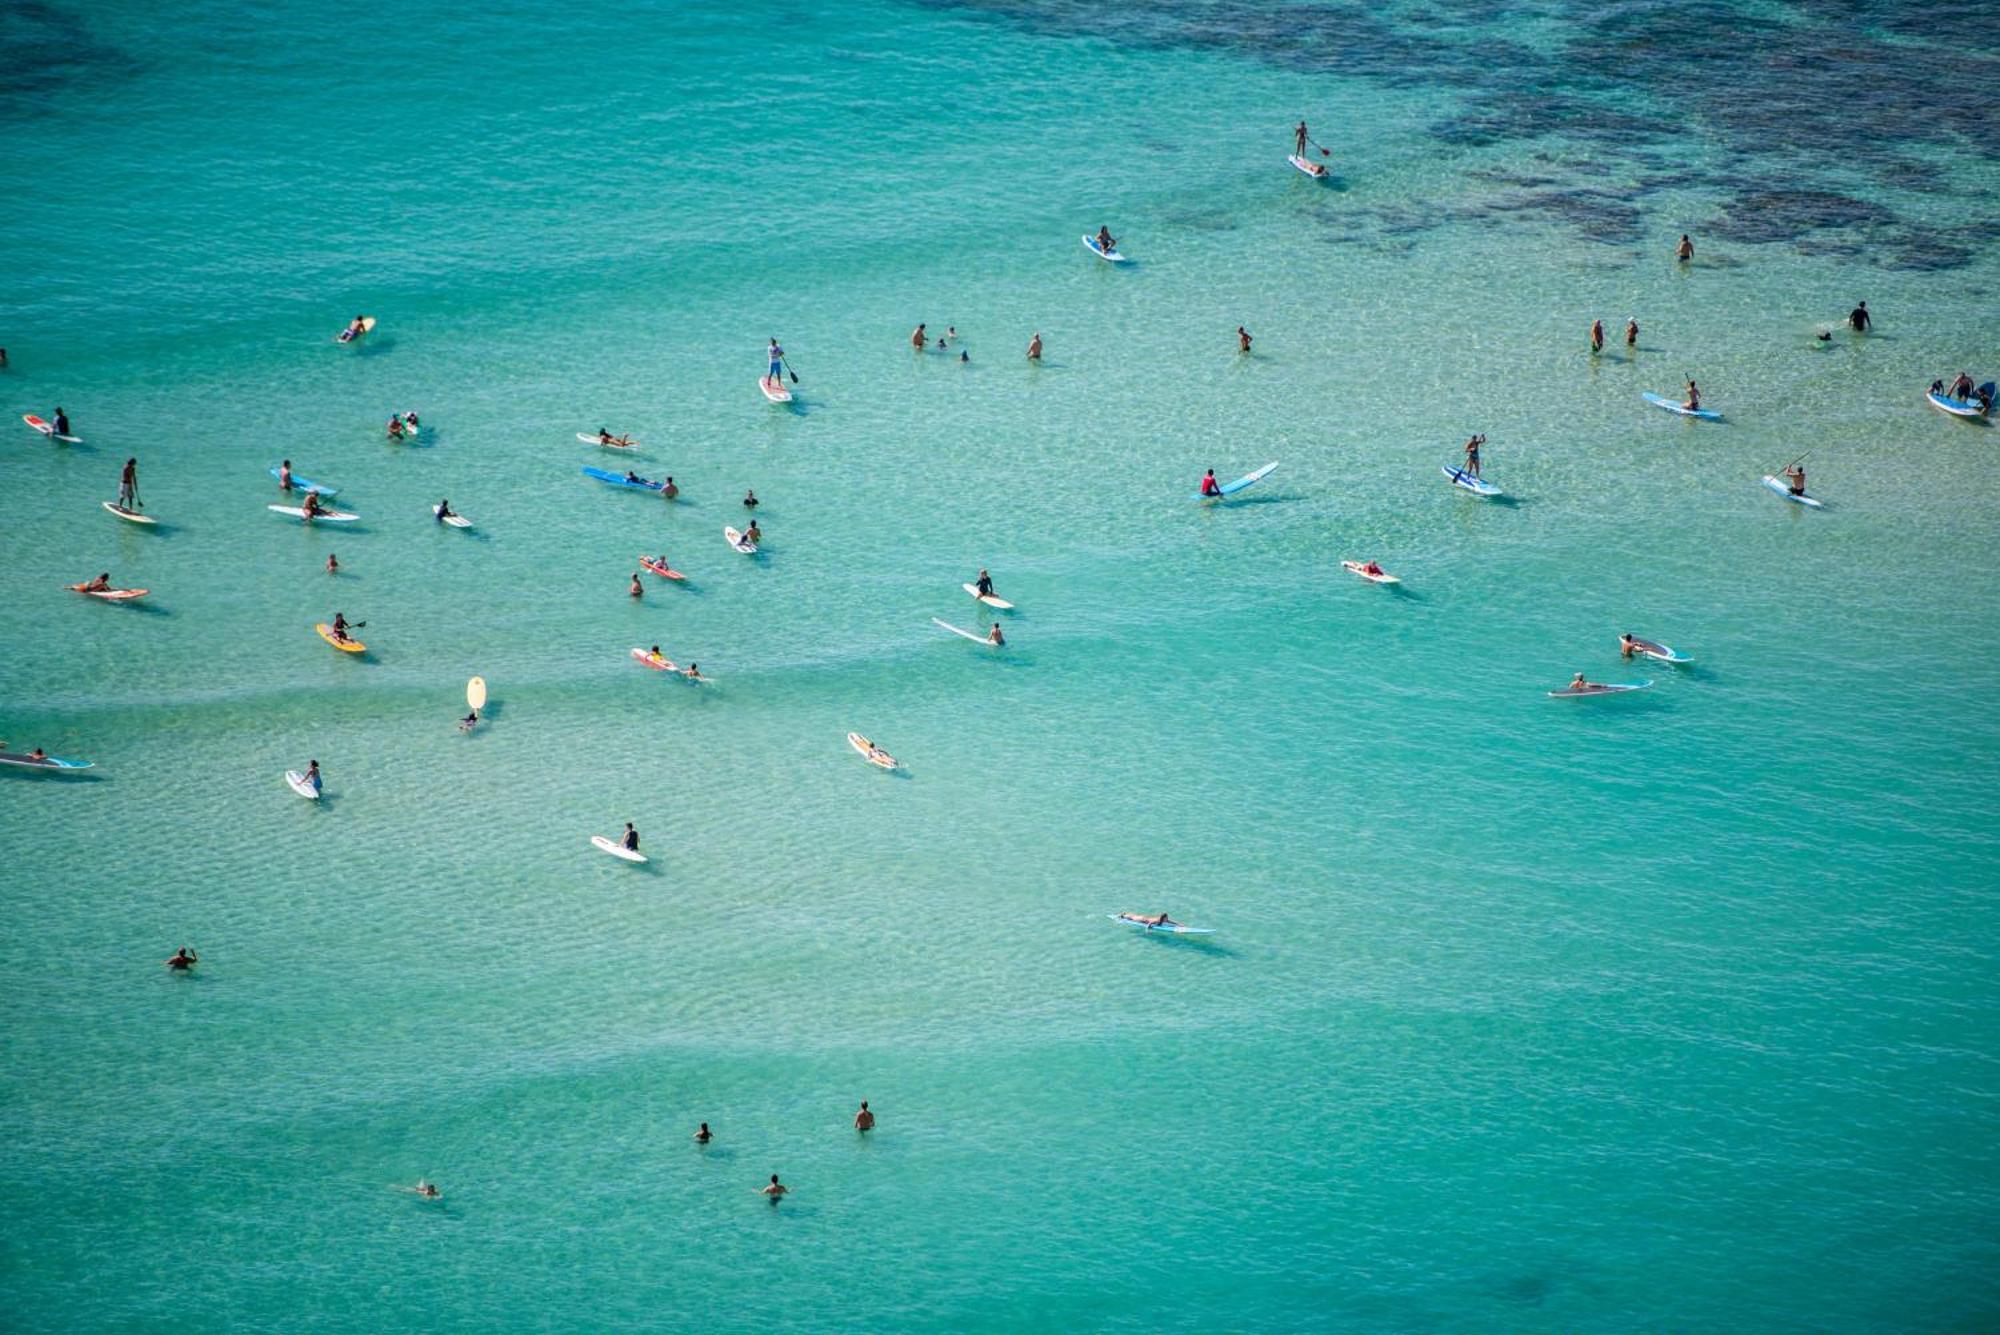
(776, 356)
(1472, 454)
(128, 485)
(1209, 486)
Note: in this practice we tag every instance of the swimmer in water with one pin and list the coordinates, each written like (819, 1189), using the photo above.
(1631, 333)
(704, 1135)
(332, 564)
(1685, 251)
(1627, 646)
(918, 340)
(1859, 320)
(637, 590)
(1597, 335)
(864, 1120)
(1035, 348)
(994, 637)
(775, 1190)
(1242, 339)
(669, 490)
(182, 960)
(749, 500)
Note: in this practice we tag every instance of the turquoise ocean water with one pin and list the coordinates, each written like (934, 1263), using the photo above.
(1675, 1010)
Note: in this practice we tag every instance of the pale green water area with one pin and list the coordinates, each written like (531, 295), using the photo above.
(1674, 1011)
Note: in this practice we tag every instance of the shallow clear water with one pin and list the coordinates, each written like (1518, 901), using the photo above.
(1519, 1012)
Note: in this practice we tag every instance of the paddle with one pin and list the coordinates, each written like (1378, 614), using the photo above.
(1323, 151)
(788, 370)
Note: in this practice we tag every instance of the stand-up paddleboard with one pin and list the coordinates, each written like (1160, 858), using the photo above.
(475, 694)
(1659, 652)
(456, 521)
(349, 645)
(1360, 568)
(1173, 928)
(960, 630)
(1599, 688)
(129, 516)
(870, 752)
(1674, 406)
(323, 516)
(1229, 489)
(301, 785)
(108, 595)
(1972, 407)
(1780, 486)
(660, 568)
(23, 760)
(612, 479)
(1478, 486)
(349, 335)
(774, 389)
(1111, 256)
(988, 598)
(657, 662)
(1308, 166)
(46, 429)
(303, 484)
(739, 542)
(608, 444)
(616, 849)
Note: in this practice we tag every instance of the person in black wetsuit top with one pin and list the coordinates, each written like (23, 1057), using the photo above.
(630, 843)
(984, 584)
(1858, 319)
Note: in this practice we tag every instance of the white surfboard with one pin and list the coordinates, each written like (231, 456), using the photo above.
(988, 598)
(616, 849)
(301, 785)
(739, 542)
(960, 630)
(608, 444)
(456, 521)
(297, 512)
(870, 752)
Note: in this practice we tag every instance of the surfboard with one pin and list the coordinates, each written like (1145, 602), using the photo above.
(608, 444)
(616, 849)
(38, 424)
(1478, 486)
(129, 516)
(870, 752)
(301, 785)
(1110, 256)
(1599, 688)
(1783, 489)
(346, 646)
(739, 542)
(456, 521)
(960, 630)
(1229, 489)
(349, 335)
(1358, 567)
(475, 694)
(1672, 406)
(988, 598)
(1310, 168)
(774, 389)
(1171, 928)
(108, 595)
(298, 512)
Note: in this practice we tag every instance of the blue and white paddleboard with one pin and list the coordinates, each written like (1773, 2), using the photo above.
(1673, 406)
(302, 484)
(1960, 407)
(1231, 488)
(1659, 652)
(1090, 244)
(1783, 489)
(1478, 486)
(620, 480)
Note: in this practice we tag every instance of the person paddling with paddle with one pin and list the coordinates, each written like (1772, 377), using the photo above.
(1693, 401)
(128, 486)
(1795, 476)
(339, 627)
(1472, 454)
(775, 355)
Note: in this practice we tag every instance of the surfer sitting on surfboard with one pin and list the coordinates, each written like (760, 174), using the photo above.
(357, 326)
(1693, 403)
(100, 584)
(630, 843)
(984, 584)
(1105, 242)
(1209, 486)
(1579, 684)
(339, 627)
(1162, 920)
(310, 506)
(1371, 568)
(444, 511)
(61, 423)
(753, 535)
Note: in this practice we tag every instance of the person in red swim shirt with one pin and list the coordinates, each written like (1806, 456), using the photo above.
(1209, 486)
